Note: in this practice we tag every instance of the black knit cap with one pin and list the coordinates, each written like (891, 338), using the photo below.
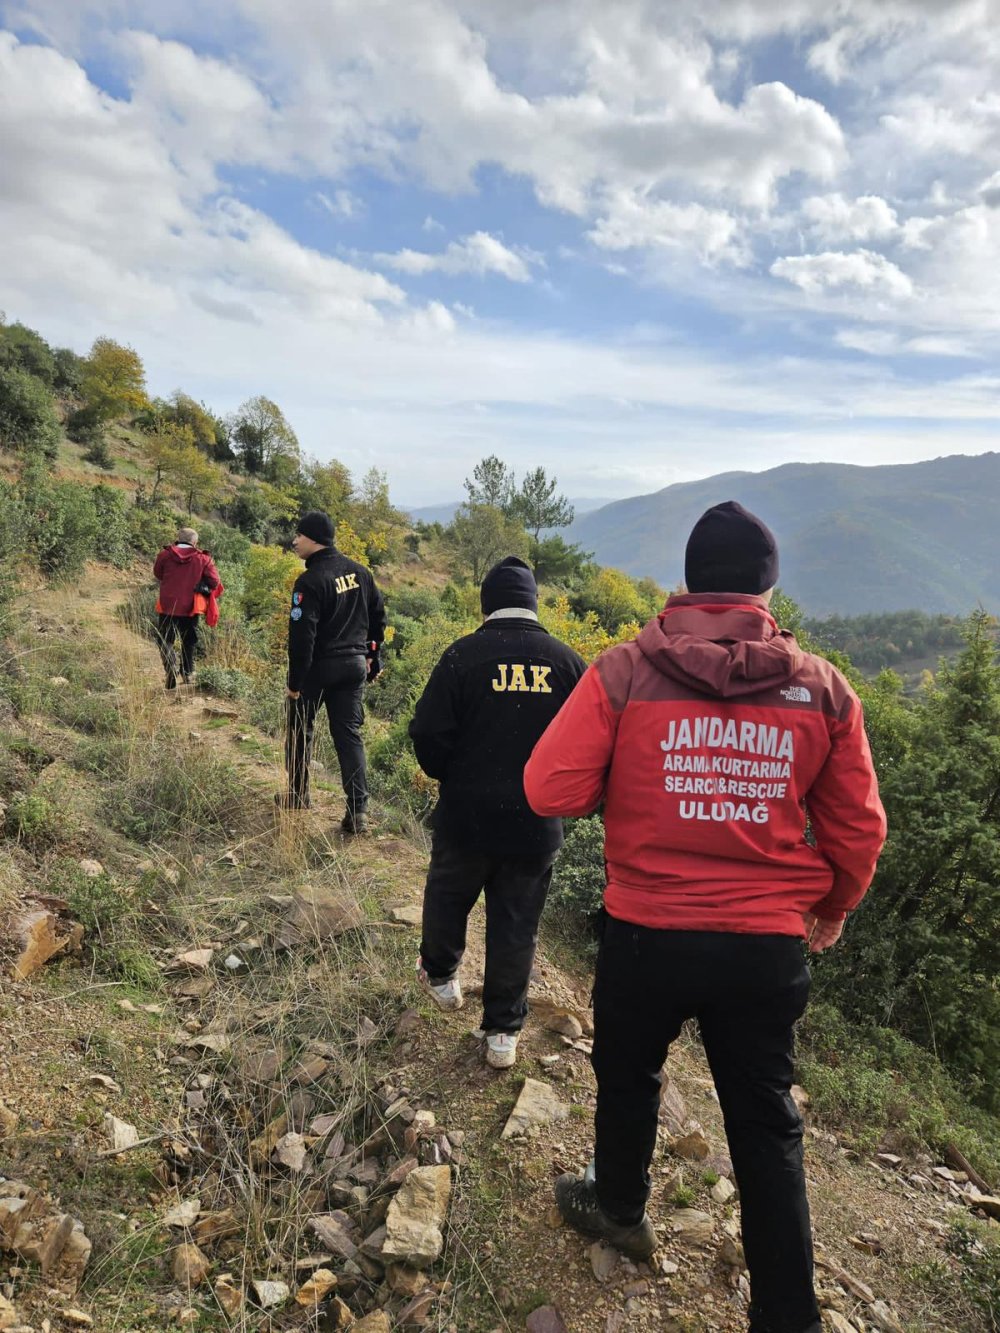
(509, 583)
(317, 526)
(730, 550)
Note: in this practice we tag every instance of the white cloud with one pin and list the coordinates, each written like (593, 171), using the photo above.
(834, 271)
(478, 254)
(832, 218)
(633, 222)
(342, 205)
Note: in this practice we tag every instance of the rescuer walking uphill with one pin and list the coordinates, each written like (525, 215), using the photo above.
(708, 738)
(487, 701)
(336, 626)
(187, 578)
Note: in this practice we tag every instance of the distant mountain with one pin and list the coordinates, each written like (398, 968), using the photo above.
(446, 512)
(852, 539)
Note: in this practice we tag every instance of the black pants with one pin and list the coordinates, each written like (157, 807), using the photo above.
(746, 992)
(342, 693)
(170, 628)
(516, 889)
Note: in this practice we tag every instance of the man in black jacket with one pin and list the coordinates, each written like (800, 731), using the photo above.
(488, 700)
(335, 630)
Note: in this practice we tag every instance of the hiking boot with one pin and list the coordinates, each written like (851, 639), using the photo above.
(445, 994)
(501, 1049)
(576, 1199)
(354, 823)
(171, 682)
(289, 801)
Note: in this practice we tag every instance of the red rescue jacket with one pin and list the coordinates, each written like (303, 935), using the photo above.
(711, 738)
(179, 570)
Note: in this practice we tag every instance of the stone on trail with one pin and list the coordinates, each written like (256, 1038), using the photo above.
(723, 1190)
(836, 1323)
(408, 914)
(546, 1319)
(190, 1265)
(120, 1133)
(9, 1318)
(801, 1099)
(731, 1253)
(192, 960)
(318, 913)
(416, 1216)
(228, 1294)
(376, 1322)
(183, 1214)
(691, 1227)
(883, 1318)
(692, 1144)
(338, 1232)
(92, 869)
(8, 1122)
(537, 1105)
(564, 1023)
(316, 1289)
(78, 1318)
(271, 1295)
(290, 1151)
(603, 1260)
(673, 1108)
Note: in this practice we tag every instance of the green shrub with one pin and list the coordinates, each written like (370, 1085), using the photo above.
(28, 421)
(151, 528)
(682, 1197)
(31, 818)
(99, 453)
(22, 348)
(114, 536)
(579, 878)
(977, 1249)
(227, 544)
(166, 789)
(111, 923)
(226, 682)
(63, 525)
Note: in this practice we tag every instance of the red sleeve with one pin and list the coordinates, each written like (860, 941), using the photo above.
(158, 565)
(568, 768)
(847, 816)
(208, 570)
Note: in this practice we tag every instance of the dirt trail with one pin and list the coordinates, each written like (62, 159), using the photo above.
(505, 1256)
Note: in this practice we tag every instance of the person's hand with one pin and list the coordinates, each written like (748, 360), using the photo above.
(292, 694)
(374, 667)
(821, 934)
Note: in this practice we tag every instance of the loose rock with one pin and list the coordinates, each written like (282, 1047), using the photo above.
(271, 1295)
(121, 1134)
(182, 1214)
(691, 1226)
(338, 1232)
(692, 1145)
(376, 1322)
(416, 1216)
(319, 913)
(290, 1151)
(39, 935)
(603, 1260)
(190, 1266)
(546, 1319)
(228, 1294)
(316, 1289)
(537, 1105)
(722, 1191)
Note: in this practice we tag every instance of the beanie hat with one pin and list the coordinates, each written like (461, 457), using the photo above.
(730, 550)
(188, 536)
(317, 526)
(509, 583)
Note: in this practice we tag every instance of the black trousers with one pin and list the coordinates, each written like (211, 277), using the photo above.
(746, 991)
(342, 694)
(170, 628)
(516, 889)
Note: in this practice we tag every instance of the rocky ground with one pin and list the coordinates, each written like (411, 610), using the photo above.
(259, 1122)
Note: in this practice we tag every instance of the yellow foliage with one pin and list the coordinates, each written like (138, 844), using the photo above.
(113, 380)
(267, 594)
(585, 634)
(351, 545)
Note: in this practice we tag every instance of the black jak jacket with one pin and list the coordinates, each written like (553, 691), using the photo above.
(337, 611)
(488, 700)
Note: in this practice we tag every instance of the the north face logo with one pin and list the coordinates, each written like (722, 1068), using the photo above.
(797, 694)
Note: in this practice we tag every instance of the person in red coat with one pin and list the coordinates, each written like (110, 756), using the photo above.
(742, 817)
(184, 573)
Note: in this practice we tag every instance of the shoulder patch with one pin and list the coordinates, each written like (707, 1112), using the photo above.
(296, 613)
(296, 598)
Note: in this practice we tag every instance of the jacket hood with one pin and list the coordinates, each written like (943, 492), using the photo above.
(184, 553)
(720, 644)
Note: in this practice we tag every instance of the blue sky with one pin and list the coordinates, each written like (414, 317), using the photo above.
(637, 243)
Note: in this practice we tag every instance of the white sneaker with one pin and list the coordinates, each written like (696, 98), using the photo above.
(501, 1049)
(445, 994)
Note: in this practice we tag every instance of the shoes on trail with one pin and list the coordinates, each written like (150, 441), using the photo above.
(501, 1049)
(576, 1199)
(287, 801)
(445, 994)
(171, 682)
(354, 823)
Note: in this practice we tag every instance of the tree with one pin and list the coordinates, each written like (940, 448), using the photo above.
(262, 438)
(538, 506)
(325, 486)
(28, 420)
(491, 484)
(113, 383)
(24, 349)
(377, 521)
(482, 535)
(186, 412)
(556, 561)
(614, 599)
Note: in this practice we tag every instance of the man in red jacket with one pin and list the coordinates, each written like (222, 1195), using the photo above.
(711, 739)
(182, 570)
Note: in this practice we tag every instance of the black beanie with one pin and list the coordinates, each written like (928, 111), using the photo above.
(317, 526)
(509, 583)
(730, 550)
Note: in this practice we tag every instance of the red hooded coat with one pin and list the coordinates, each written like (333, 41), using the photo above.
(179, 570)
(712, 738)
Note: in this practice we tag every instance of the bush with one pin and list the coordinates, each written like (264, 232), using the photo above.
(579, 877)
(227, 544)
(85, 426)
(114, 539)
(226, 682)
(31, 818)
(99, 454)
(108, 916)
(28, 421)
(22, 348)
(150, 528)
(977, 1250)
(63, 524)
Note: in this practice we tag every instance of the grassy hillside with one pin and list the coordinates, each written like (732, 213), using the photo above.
(853, 539)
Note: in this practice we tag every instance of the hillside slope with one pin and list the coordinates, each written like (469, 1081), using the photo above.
(220, 1066)
(852, 539)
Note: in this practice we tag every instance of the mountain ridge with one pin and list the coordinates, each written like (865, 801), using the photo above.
(852, 538)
